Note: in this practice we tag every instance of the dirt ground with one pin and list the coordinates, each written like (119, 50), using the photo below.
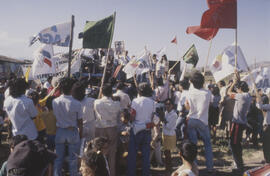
(253, 157)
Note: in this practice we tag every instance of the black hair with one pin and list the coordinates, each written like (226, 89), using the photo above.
(78, 90)
(243, 86)
(120, 86)
(145, 90)
(160, 81)
(265, 99)
(17, 87)
(66, 85)
(197, 79)
(107, 90)
(34, 96)
(215, 91)
(43, 93)
(49, 102)
(16, 140)
(188, 151)
(185, 84)
(222, 83)
(169, 100)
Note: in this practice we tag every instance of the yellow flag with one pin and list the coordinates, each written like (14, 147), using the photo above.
(27, 74)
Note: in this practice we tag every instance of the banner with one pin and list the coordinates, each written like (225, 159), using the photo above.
(224, 64)
(59, 66)
(58, 34)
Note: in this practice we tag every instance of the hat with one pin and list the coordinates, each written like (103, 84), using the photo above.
(29, 158)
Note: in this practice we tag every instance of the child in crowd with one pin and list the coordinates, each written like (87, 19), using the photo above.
(94, 161)
(50, 122)
(188, 153)
(124, 130)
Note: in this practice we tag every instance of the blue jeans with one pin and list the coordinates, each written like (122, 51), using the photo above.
(140, 141)
(72, 140)
(195, 127)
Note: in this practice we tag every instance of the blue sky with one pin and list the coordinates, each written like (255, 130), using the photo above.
(138, 22)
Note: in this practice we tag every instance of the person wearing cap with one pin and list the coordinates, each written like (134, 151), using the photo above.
(107, 114)
(21, 110)
(143, 108)
(68, 113)
(197, 103)
(242, 104)
(29, 158)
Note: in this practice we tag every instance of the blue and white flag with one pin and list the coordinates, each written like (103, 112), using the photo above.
(58, 34)
(224, 64)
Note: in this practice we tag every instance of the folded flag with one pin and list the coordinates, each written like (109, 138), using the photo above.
(58, 34)
(191, 56)
(221, 14)
(99, 34)
(204, 33)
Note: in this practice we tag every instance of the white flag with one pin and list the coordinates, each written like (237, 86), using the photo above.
(138, 65)
(58, 65)
(261, 76)
(58, 34)
(43, 62)
(224, 64)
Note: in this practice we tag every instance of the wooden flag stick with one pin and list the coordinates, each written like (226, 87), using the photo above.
(235, 61)
(70, 45)
(206, 63)
(173, 66)
(107, 58)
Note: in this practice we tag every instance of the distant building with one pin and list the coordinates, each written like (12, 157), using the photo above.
(8, 65)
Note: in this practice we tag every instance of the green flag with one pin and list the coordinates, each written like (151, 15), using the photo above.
(99, 34)
(191, 56)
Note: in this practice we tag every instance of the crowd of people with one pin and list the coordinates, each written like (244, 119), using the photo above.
(64, 123)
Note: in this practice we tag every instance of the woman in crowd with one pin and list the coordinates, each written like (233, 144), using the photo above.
(188, 153)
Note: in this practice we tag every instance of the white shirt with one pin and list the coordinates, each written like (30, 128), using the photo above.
(169, 127)
(124, 99)
(177, 95)
(265, 107)
(144, 107)
(20, 111)
(88, 114)
(67, 111)
(107, 112)
(182, 100)
(199, 101)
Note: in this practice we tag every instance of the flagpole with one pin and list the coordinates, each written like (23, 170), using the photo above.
(207, 57)
(70, 45)
(235, 64)
(104, 71)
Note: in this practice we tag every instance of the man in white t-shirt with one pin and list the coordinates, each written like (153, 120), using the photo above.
(143, 108)
(197, 102)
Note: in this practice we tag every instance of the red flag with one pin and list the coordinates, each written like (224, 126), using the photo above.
(204, 33)
(174, 40)
(117, 70)
(221, 14)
